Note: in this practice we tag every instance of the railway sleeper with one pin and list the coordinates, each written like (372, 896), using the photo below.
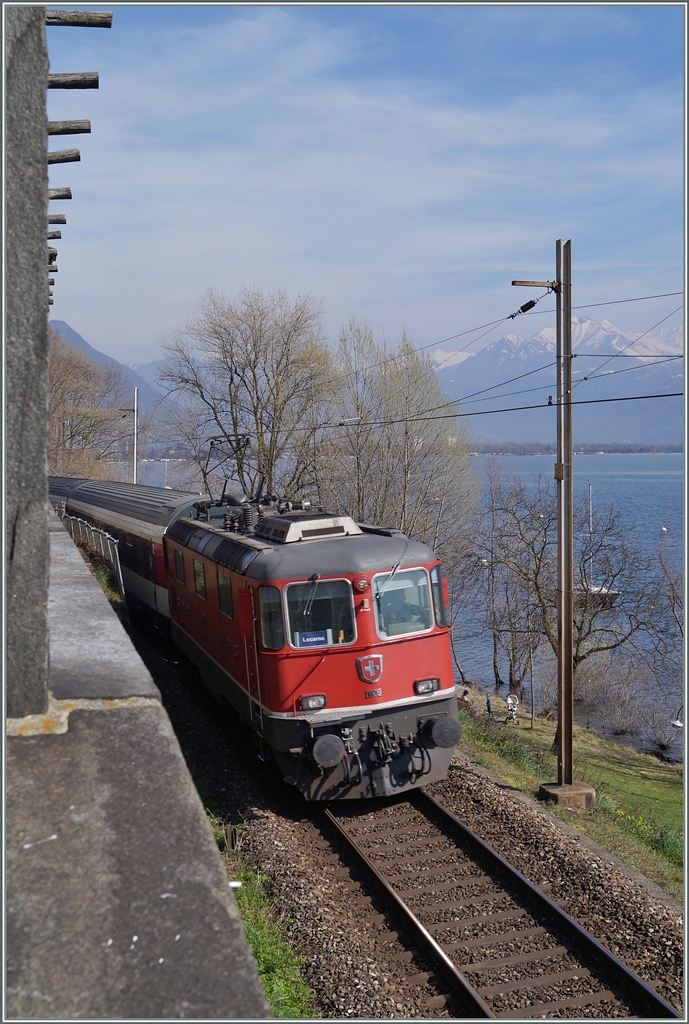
(536, 981)
(470, 922)
(538, 1010)
(492, 964)
(446, 886)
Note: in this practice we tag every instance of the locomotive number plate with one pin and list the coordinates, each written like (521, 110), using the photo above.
(374, 693)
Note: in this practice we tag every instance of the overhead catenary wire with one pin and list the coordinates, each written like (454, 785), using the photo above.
(634, 341)
(490, 326)
(496, 323)
(474, 395)
(457, 401)
(517, 408)
(525, 391)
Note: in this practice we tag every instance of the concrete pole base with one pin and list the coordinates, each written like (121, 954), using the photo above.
(577, 795)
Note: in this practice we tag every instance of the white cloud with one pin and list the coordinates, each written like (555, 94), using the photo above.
(250, 152)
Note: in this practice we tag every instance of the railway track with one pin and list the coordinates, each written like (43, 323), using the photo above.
(503, 949)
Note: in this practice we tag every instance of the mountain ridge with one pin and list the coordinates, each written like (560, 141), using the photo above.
(612, 370)
(470, 380)
(149, 394)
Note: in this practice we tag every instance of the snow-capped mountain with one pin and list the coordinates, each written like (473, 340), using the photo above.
(608, 364)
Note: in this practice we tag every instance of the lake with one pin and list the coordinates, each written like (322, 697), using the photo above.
(647, 488)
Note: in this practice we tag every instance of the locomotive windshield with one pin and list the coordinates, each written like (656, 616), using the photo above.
(401, 602)
(320, 613)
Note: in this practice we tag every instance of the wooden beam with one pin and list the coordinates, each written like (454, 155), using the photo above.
(64, 156)
(52, 268)
(54, 234)
(57, 218)
(84, 19)
(79, 80)
(51, 280)
(59, 193)
(69, 127)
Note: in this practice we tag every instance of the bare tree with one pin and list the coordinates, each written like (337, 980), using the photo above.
(385, 461)
(519, 538)
(250, 376)
(516, 552)
(88, 427)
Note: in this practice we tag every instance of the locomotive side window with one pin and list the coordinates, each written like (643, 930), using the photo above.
(272, 627)
(225, 594)
(402, 603)
(179, 566)
(439, 596)
(320, 613)
(199, 579)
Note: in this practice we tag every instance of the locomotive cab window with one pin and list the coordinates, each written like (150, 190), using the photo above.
(225, 594)
(200, 579)
(320, 613)
(439, 591)
(272, 626)
(402, 603)
(179, 566)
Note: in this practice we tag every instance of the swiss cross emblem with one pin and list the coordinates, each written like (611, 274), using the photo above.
(370, 669)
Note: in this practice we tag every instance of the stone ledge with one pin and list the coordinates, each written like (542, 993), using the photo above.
(90, 654)
(117, 902)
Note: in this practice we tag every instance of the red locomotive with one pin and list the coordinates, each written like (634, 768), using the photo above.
(330, 638)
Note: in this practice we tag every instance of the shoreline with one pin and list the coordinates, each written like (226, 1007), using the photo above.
(536, 448)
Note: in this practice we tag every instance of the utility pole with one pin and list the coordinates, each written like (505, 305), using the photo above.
(136, 435)
(565, 791)
(565, 515)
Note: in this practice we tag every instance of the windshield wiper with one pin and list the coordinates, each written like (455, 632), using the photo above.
(309, 601)
(382, 589)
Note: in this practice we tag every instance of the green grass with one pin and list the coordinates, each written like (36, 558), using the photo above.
(278, 964)
(639, 800)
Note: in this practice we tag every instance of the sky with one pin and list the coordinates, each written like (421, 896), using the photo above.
(402, 163)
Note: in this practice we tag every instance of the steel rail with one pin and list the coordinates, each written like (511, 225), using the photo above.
(457, 979)
(654, 1006)
(622, 973)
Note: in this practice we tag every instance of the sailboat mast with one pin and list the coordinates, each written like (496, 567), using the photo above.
(591, 534)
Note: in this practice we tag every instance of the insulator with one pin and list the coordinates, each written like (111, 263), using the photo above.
(227, 521)
(248, 518)
(527, 306)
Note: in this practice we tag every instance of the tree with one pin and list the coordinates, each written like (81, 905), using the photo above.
(518, 565)
(519, 547)
(249, 377)
(385, 461)
(87, 426)
(664, 656)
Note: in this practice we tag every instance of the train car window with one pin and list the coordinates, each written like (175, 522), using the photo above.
(272, 626)
(140, 557)
(127, 552)
(225, 594)
(199, 579)
(439, 596)
(402, 603)
(320, 613)
(179, 566)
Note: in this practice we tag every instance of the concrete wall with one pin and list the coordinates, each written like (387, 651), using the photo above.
(117, 902)
(26, 358)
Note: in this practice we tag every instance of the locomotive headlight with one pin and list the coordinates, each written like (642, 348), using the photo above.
(312, 703)
(361, 583)
(426, 685)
